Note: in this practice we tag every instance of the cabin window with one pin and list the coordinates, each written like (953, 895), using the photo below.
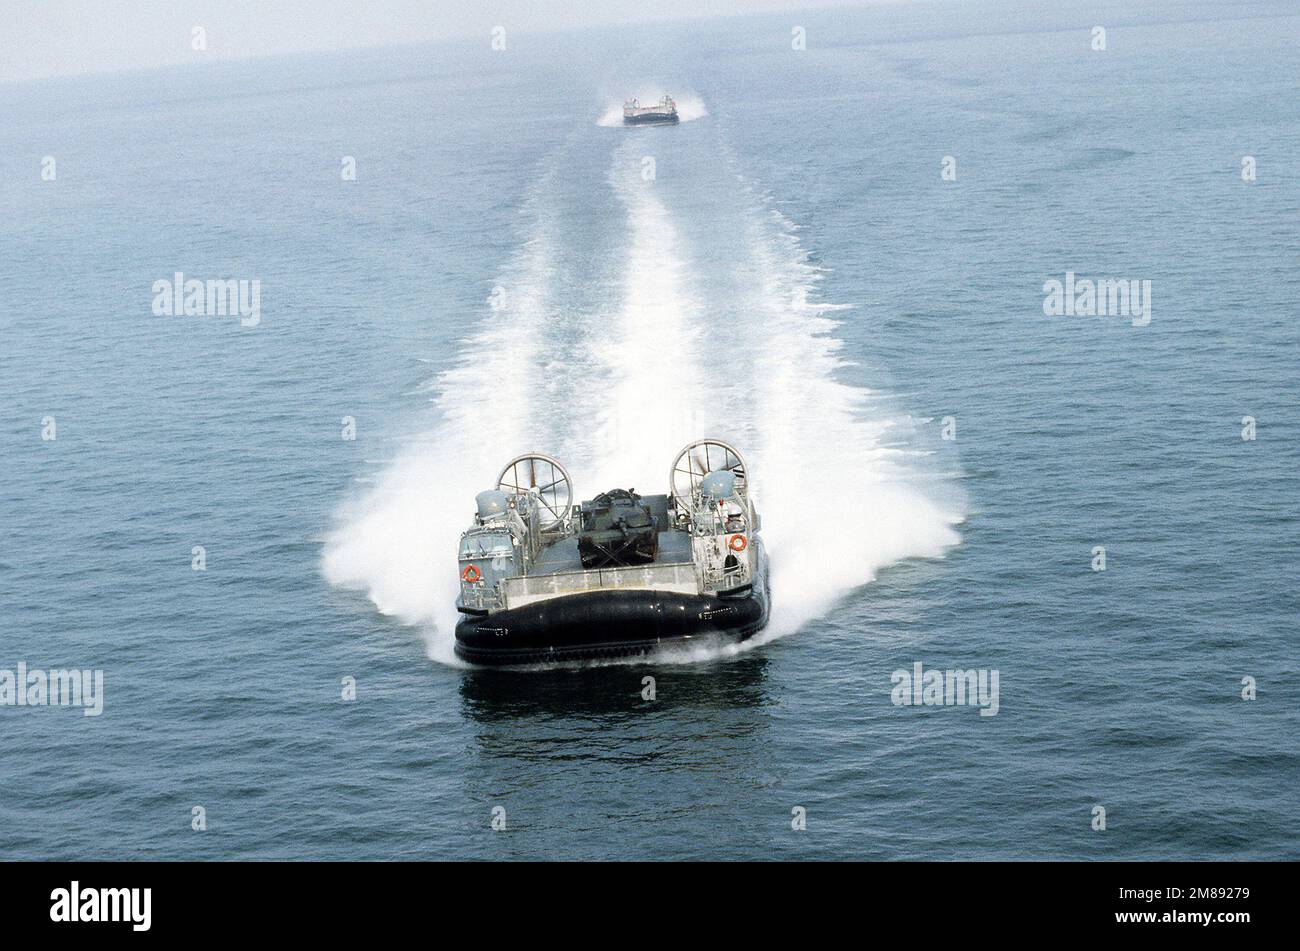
(487, 545)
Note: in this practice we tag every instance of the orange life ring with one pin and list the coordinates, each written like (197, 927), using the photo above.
(471, 573)
(737, 543)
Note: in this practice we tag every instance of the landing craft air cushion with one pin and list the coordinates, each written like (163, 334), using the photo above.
(664, 112)
(543, 580)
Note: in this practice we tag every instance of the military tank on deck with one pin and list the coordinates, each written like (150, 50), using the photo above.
(544, 580)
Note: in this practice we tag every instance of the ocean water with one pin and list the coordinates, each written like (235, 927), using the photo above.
(510, 270)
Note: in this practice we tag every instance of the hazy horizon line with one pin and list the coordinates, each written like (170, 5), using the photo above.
(215, 57)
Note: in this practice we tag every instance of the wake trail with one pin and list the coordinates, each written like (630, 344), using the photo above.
(840, 500)
(398, 541)
(714, 327)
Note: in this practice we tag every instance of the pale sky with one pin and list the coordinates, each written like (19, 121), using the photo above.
(40, 38)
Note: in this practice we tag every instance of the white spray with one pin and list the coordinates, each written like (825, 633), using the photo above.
(838, 503)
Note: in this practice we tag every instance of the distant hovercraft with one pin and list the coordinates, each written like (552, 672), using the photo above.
(663, 113)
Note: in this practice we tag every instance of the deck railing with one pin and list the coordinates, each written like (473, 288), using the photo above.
(680, 577)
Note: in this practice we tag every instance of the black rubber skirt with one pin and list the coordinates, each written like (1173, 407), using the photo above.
(609, 624)
(650, 120)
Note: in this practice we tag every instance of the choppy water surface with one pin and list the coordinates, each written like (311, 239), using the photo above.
(511, 270)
